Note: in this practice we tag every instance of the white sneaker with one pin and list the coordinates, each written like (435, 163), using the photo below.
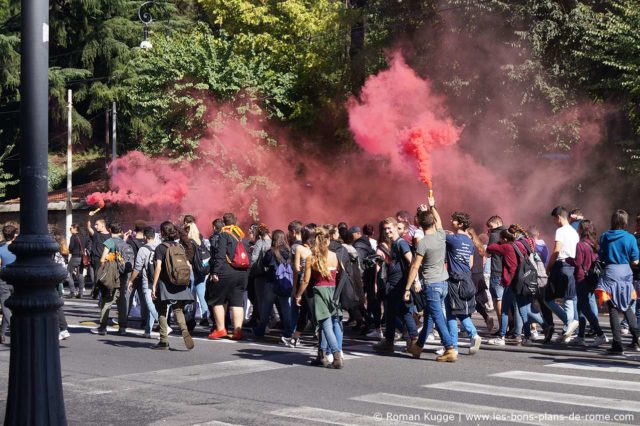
(375, 334)
(571, 327)
(169, 330)
(600, 340)
(535, 335)
(329, 358)
(397, 336)
(498, 341)
(624, 331)
(476, 341)
(63, 335)
(431, 338)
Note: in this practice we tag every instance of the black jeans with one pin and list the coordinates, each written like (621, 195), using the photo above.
(374, 304)
(77, 280)
(395, 306)
(62, 320)
(547, 315)
(614, 319)
(5, 292)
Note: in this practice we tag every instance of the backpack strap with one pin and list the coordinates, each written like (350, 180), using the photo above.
(385, 250)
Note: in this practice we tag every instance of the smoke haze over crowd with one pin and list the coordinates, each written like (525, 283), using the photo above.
(408, 139)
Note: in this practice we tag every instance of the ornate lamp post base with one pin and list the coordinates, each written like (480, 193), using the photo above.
(35, 389)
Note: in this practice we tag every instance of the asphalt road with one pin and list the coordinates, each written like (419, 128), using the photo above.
(118, 380)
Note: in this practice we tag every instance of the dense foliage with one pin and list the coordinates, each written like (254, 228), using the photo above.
(516, 71)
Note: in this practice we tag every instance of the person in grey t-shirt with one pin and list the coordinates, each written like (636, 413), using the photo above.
(432, 248)
(144, 258)
(429, 261)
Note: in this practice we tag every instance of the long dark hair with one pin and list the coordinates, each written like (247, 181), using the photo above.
(279, 243)
(506, 235)
(308, 235)
(588, 231)
(170, 232)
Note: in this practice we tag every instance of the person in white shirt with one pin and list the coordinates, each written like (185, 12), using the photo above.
(561, 274)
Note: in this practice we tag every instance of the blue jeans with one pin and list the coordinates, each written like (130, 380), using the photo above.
(567, 313)
(152, 313)
(197, 289)
(509, 303)
(625, 323)
(331, 338)
(268, 299)
(433, 295)
(527, 315)
(495, 286)
(637, 284)
(587, 310)
(452, 323)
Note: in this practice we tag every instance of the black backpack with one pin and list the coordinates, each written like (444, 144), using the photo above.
(201, 259)
(151, 264)
(525, 280)
(594, 273)
(135, 245)
(125, 258)
(346, 292)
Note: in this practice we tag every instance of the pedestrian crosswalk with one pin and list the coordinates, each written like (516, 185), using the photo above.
(458, 409)
(597, 366)
(578, 406)
(537, 395)
(591, 382)
(588, 392)
(338, 417)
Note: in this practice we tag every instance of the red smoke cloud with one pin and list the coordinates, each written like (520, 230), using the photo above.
(235, 171)
(399, 116)
(402, 126)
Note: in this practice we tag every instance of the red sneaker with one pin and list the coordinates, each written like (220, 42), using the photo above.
(217, 334)
(236, 336)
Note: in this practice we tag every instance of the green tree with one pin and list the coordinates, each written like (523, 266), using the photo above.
(165, 92)
(307, 38)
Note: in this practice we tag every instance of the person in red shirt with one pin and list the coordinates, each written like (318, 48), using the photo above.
(586, 254)
(505, 249)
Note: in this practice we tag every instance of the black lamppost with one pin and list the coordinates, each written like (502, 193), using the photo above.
(146, 19)
(35, 387)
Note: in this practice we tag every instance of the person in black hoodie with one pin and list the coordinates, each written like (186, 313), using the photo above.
(136, 241)
(368, 270)
(494, 227)
(77, 247)
(278, 285)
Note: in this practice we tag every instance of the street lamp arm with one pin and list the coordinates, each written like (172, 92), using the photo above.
(145, 16)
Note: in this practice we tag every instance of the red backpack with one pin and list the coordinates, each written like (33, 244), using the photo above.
(240, 258)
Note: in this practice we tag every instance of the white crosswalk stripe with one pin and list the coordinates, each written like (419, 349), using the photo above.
(323, 416)
(605, 367)
(537, 395)
(466, 413)
(570, 380)
(200, 372)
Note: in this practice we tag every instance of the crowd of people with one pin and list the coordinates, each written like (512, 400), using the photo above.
(416, 281)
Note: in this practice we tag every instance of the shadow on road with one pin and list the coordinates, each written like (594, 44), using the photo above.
(274, 355)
